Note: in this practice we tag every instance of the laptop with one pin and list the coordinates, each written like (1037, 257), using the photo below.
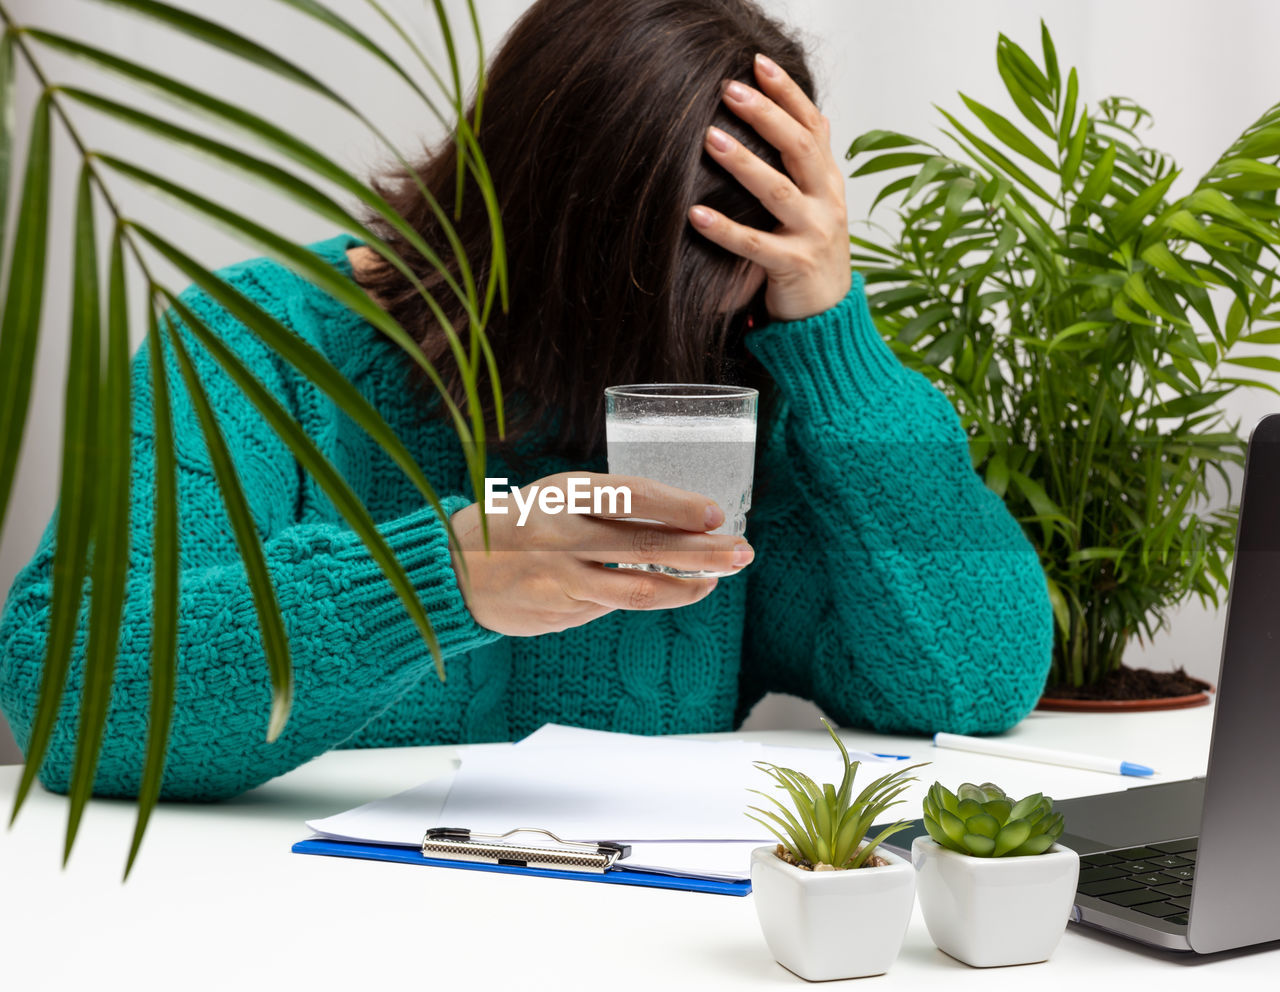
(1195, 865)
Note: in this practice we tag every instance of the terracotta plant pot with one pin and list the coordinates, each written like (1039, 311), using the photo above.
(1130, 690)
(989, 912)
(1122, 705)
(824, 925)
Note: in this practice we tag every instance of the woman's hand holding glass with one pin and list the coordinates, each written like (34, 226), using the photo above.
(549, 574)
(806, 258)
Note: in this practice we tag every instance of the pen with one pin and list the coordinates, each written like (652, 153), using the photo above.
(1046, 756)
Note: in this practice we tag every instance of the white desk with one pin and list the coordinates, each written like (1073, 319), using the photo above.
(231, 908)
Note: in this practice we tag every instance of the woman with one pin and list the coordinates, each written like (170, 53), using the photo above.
(673, 212)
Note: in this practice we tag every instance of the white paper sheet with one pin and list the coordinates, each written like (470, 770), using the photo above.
(400, 820)
(591, 785)
(719, 859)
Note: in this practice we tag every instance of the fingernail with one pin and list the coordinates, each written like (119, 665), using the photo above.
(735, 91)
(742, 555)
(767, 65)
(702, 217)
(714, 516)
(718, 140)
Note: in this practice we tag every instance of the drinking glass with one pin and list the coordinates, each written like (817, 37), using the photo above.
(694, 437)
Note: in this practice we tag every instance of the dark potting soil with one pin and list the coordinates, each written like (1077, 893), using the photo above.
(1133, 683)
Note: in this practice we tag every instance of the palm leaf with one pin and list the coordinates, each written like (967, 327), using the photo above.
(470, 156)
(20, 324)
(344, 27)
(325, 277)
(447, 36)
(308, 361)
(321, 469)
(75, 521)
(164, 630)
(6, 130)
(257, 129)
(80, 529)
(217, 36)
(275, 642)
(111, 519)
(262, 130)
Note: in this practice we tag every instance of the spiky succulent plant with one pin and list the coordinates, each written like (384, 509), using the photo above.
(826, 825)
(982, 821)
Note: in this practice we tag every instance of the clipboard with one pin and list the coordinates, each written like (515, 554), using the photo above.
(460, 848)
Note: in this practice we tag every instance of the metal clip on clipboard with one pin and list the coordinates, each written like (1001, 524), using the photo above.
(456, 844)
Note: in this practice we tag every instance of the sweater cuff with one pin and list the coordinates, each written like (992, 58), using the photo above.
(421, 544)
(825, 363)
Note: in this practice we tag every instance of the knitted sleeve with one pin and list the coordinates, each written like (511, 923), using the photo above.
(354, 649)
(890, 585)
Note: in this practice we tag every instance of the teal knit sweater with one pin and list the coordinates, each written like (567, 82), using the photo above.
(889, 585)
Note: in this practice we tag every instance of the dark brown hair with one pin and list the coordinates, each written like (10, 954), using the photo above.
(595, 112)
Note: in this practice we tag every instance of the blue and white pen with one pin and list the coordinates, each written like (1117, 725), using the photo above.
(1046, 756)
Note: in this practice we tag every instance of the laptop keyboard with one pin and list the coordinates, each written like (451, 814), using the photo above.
(1155, 880)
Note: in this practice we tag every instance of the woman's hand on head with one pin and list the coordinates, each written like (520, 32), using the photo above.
(549, 574)
(806, 258)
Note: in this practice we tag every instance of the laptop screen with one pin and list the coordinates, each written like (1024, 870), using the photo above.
(1236, 897)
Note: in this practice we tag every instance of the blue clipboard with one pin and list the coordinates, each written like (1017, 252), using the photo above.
(617, 876)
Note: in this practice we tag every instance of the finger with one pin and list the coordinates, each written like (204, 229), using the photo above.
(652, 500)
(582, 611)
(788, 95)
(769, 251)
(807, 160)
(638, 543)
(779, 195)
(631, 589)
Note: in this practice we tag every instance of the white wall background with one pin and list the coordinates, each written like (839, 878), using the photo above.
(1205, 69)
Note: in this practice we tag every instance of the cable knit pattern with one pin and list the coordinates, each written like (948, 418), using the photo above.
(889, 585)
(915, 571)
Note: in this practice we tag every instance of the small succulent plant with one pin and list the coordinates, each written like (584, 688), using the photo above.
(982, 821)
(826, 825)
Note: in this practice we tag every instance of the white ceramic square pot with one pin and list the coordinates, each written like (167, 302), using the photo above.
(995, 911)
(832, 924)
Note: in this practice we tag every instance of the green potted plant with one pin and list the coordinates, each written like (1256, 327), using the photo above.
(995, 886)
(1087, 321)
(831, 904)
